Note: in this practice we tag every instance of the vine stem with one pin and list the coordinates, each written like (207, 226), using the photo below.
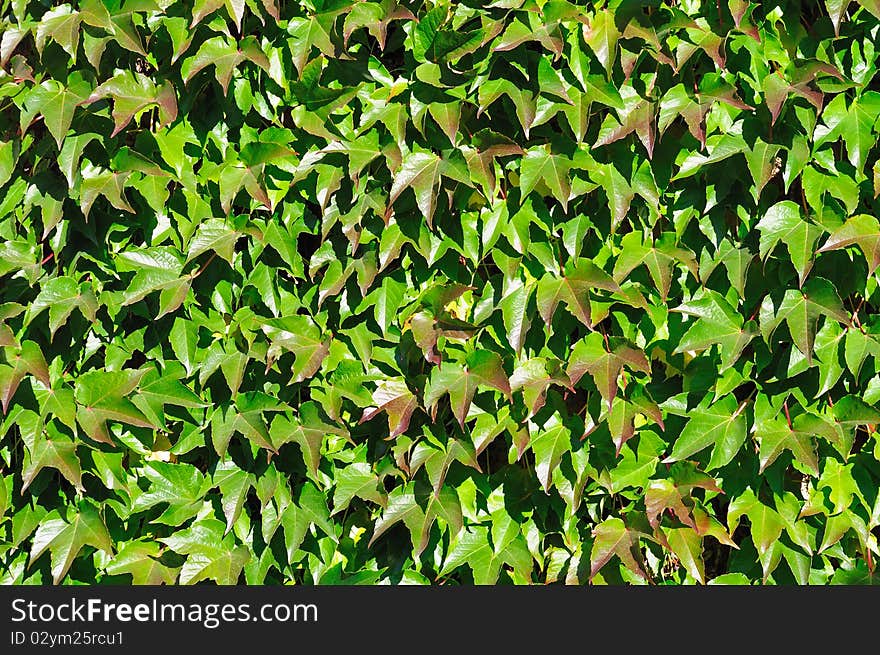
(205, 265)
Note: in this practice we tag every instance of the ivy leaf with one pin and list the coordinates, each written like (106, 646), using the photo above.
(602, 37)
(55, 451)
(515, 314)
(549, 445)
(100, 397)
(861, 230)
(801, 311)
(851, 409)
(534, 377)
(214, 235)
(61, 295)
(723, 424)
(357, 480)
(461, 382)
(209, 555)
(244, 416)
(311, 32)
(299, 335)
(783, 222)
(688, 547)
(132, 93)
(65, 539)
(27, 359)
(141, 559)
(62, 24)
(308, 430)
(154, 391)
(540, 164)
(841, 485)
(612, 537)
(636, 116)
(573, 288)
(420, 171)
(395, 399)
(717, 323)
(485, 559)
(775, 436)
(604, 361)
(181, 486)
(97, 181)
(419, 509)
(56, 103)
(661, 258)
(766, 523)
(225, 56)
(309, 509)
(837, 10)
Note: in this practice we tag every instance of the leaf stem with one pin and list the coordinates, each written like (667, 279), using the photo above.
(205, 265)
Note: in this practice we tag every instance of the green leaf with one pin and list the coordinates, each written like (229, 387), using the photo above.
(540, 164)
(783, 222)
(473, 547)
(723, 425)
(776, 435)
(133, 93)
(549, 445)
(602, 38)
(100, 397)
(421, 172)
(419, 510)
(244, 416)
(210, 555)
(26, 359)
(64, 540)
(605, 361)
(57, 452)
(299, 335)
(141, 559)
(61, 295)
(357, 480)
(56, 103)
(766, 523)
(225, 56)
(801, 311)
(181, 486)
(717, 323)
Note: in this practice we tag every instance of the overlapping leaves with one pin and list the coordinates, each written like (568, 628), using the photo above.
(333, 292)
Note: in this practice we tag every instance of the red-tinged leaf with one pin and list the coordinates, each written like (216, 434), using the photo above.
(225, 56)
(131, 94)
(612, 537)
(638, 118)
(461, 382)
(863, 231)
(397, 401)
(605, 362)
(534, 377)
(663, 495)
(27, 359)
(573, 288)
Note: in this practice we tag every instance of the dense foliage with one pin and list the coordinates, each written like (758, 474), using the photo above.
(444, 292)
